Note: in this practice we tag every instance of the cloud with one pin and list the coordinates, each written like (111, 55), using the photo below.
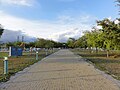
(18, 2)
(11, 36)
(65, 35)
(59, 30)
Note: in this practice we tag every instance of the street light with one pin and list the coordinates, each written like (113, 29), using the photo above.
(5, 65)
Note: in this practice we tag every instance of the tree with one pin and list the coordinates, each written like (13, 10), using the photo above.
(9, 44)
(49, 44)
(107, 37)
(71, 42)
(118, 3)
(40, 43)
(111, 34)
(43, 43)
(30, 44)
(1, 30)
(95, 38)
(81, 42)
(16, 44)
(116, 34)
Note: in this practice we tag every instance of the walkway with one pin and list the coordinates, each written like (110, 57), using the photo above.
(60, 71)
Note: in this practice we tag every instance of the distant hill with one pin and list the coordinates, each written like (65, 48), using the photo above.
(11, 36)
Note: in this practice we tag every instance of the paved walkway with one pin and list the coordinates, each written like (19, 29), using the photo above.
(60, 71)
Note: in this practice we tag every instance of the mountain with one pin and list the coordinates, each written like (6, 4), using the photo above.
(11, 36)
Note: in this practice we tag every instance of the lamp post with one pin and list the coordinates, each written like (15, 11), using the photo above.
(36, 55)
(5, 65)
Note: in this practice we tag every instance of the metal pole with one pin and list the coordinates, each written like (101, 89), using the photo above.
(22, 38)
(5, 65)
(17, 38)
(36, 55)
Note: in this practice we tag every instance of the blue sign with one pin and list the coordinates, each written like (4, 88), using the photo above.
(19, 51)
(15, 51)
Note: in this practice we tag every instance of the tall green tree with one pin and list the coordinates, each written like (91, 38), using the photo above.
(107, 37)
(81, 42)
(94, 39)
(111, 34)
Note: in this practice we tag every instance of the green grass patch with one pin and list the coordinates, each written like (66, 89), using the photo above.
(109, 65)
(3, 54)
(16, 64)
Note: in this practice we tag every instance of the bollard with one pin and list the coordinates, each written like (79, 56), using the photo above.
(46, 52)
(5, 65)
(53, 50)
(36, 55)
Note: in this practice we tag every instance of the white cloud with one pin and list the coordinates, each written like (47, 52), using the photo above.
(65, 35)
(18, 2)
(59, 30)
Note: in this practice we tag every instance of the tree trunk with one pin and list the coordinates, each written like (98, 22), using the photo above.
(90, 50)
(107, 53)
(96, 50)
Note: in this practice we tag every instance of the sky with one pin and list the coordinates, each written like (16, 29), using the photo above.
(55, 19)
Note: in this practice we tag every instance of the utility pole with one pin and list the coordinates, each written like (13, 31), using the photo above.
(18, 38)
(22, 38)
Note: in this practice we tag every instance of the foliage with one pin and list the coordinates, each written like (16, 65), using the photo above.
(107, 37)
(39, 43)
(1, 30)
(81, 42)
(71, 42)
(118, 3)
(43, 43)
(17, 44)
(111, 33)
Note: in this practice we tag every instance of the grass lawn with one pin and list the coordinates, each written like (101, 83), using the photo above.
(2, 54)
(110, 65)
(16, 64)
